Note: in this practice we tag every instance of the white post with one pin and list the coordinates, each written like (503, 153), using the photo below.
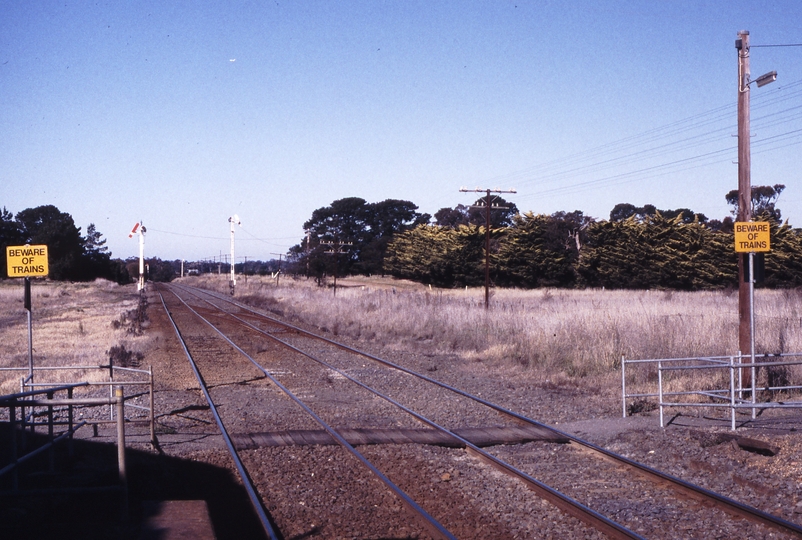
(624, 384)
(232, 281)
(141, 285)
(660, 390)
(752, 323)
(732, 389)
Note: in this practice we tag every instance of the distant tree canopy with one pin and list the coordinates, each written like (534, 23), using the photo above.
(624, 211)
(501, 213)
(351, 235)
(638, 248)
(70, 255)
(764, 199)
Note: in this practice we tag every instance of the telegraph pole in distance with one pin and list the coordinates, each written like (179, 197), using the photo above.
(487, 208)
(336, 249)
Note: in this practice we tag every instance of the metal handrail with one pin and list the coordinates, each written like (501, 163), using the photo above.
(729, 394)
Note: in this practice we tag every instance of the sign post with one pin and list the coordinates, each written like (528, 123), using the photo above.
(752, 237)
(26, 262)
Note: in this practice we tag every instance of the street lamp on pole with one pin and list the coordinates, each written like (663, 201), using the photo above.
(745, 184)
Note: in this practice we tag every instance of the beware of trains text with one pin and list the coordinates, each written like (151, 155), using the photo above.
(27, 261)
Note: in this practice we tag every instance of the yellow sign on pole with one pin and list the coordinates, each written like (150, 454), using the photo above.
(27, 261)
(752, 236)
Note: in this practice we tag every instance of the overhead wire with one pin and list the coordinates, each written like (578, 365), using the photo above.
(664, 141)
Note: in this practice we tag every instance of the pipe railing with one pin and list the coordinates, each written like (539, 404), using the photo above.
(731, 397)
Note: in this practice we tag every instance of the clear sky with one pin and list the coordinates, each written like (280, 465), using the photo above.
(181, 114)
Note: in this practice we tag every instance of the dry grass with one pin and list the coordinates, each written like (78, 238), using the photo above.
(579, 333)
(73, 324)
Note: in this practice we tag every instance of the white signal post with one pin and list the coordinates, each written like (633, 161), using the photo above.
(233, 281)
(140, 230)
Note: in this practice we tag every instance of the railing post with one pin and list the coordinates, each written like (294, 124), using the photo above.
(623, 386)
(22, 414)
(12, 417)
(740, 377)
(660, 389)
(732, 389)
(152, 409)
(51, 453)
(111, 386)
(118, 394)
(754, 384)
(70, 442)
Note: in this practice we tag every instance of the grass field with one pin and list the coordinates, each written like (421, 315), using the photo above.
(73, 324)
(554, 334)
(577, 332)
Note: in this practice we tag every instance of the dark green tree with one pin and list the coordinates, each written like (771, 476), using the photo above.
(764, 201)
(48, 225)
(159, 270)
(10, 235)
(656, 253)
(623, 211)
(96, 257)
(783, 266)
(501, 214)
(360, 230)
(438, 256)
(541, 250)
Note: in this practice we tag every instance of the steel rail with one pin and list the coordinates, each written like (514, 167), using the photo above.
(256, 501)
(429, 523)
(727, 504)
(560, 500)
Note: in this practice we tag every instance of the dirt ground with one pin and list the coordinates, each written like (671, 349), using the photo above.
(190, 462)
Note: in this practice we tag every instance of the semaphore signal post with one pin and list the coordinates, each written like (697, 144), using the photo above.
(26, 262)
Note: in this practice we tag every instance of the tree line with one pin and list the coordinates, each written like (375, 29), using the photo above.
(72, 256)
(638, 247)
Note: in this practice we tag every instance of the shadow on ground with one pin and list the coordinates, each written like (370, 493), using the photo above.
(71, 512)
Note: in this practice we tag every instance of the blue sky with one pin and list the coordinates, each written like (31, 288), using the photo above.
(181, 114)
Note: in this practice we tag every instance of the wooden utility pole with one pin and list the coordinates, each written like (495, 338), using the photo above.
(336, 248)
(487, 208)
(744, 190)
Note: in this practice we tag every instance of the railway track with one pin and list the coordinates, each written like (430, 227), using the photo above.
(336, 442)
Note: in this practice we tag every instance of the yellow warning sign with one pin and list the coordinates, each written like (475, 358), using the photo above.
(27, 261)
(752, 236)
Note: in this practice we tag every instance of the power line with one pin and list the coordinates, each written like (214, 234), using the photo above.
(779, 45)
(698, 132)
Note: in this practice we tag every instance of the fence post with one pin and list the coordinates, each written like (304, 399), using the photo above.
(623, 385)
(754, 386)
(118, 394)
(660, 389)
(740, 377)
(70, 442)
(732, 389)
(12, 416)
(51, 453)
(111, 385)
(152, 410)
